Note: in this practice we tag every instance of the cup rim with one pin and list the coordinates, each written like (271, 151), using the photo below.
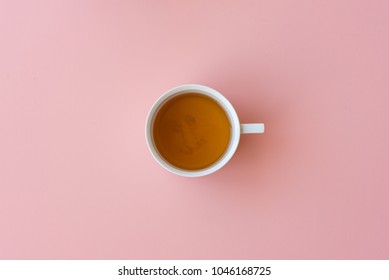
(231, 114)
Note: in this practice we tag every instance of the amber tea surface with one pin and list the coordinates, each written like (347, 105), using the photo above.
(191, 131)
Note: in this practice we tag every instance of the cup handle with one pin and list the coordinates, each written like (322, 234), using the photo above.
(252, 128)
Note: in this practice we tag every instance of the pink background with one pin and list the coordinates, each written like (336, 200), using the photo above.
(77, 79)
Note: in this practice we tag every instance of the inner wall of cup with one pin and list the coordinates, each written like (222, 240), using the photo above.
(221, 104)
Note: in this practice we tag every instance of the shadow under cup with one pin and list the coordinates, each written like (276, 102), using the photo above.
(192, 130)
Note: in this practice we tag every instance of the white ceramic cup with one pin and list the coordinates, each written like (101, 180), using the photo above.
(236, 129)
